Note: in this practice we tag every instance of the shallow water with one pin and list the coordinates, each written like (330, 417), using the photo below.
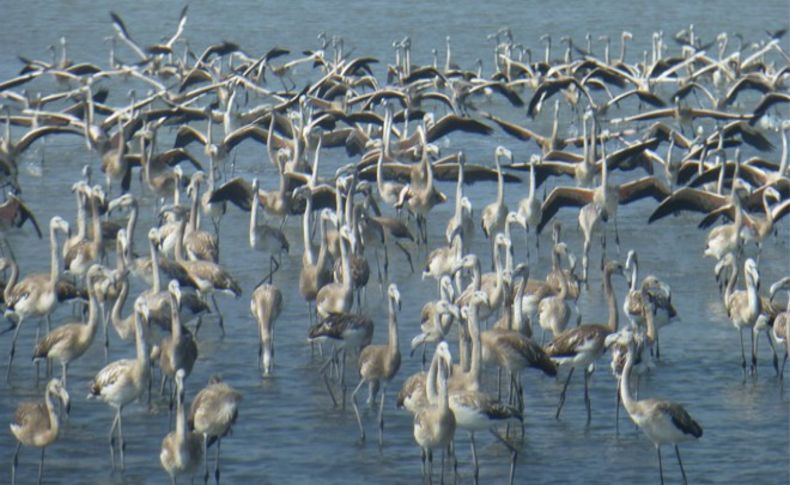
(288, 431)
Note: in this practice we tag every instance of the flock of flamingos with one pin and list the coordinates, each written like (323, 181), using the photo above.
(698, 107)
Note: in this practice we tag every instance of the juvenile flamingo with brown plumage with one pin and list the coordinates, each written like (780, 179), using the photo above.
(182, 450)
(664, 422)
(338, 297)
(315, 273)
(68, 342)
(378, 364)
(494, 214)
(351, 332)
(510, 347)
(553, 311)
(87, 251)
(123, 381)
(474, 409)
(214, 410)
(265, 305)
(207, 275)
(178, 351)
(743, 306)
(35, 295)
(38, 425)
(581, 346)
(199, 245)
(434, 424)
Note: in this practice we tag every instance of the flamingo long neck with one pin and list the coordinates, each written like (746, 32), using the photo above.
(506, 320)
(738, 216)
(96, 220)
(387, 138)
(443, 395)
(555, 126)
(193, 212)
(604, 170)
(308, 246)
(754, 298)
(476, 279)
(611, 302)
(431, 391)
(474, 367)
(140, 345)
(392, 343)
(555, 261)
(448, 62)
(322, 250)
(585, 144)
(625, 389)
(518, 316)
(730, 289)
(339, 205)
(500, 184)
(670, 169)
(145, 162)
(547, 55)
(463, 346)
(82, 214)
(349, 209)
(254, 217)
(130, 226)
(622, 49)
(634, 272)
(175, 320)
(157, 287)
(181, 421)
(11, 280)
(429, 171)
(210, 132)
(593, 139)
(54, 266)
(88, 126)
(115, 317)
(380, 171)
(498, 268)
(345, 261)
(459, 193)
(179, 251)
(783, 163)
(54, 422)
(93, 313)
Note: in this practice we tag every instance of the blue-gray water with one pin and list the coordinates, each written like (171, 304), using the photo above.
(288, 431)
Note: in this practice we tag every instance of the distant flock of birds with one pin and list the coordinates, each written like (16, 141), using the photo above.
(389, 129)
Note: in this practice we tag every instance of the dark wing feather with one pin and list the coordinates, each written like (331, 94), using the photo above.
(451, 122)
(563, 197)
(765, 104)
(687, 199)
(644, 187)
(710, 219)
(24, 213)
(238, 191)
(681, 418)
